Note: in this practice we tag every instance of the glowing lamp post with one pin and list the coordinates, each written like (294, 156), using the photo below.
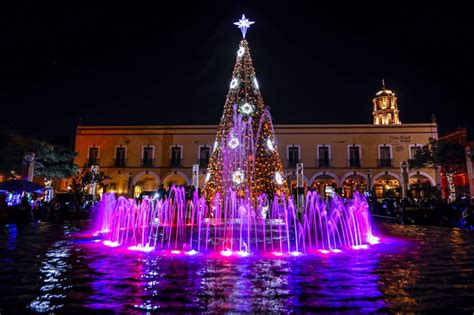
(369, 182)
(300, 186)
(28, 166)
(404, 173)
(196, 176)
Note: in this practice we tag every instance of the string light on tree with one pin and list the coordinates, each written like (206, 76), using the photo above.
(234, 83)
(246, 109)
(238, 177)
(279, 178)
(208, 177)
(249, 162)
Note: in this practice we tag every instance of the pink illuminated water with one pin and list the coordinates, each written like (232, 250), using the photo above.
(234, 227)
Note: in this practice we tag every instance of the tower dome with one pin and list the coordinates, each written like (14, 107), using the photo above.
(385, 107)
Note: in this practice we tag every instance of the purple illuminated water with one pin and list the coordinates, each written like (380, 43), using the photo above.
(45, 268)
(235, 226)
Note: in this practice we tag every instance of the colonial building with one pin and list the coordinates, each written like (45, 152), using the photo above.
(463, 178)
(335, 158)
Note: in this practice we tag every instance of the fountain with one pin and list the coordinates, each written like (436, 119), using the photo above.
(246, 207)
(176, 225)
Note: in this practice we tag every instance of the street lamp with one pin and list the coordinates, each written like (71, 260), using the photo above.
(404, 173)
(369, 182)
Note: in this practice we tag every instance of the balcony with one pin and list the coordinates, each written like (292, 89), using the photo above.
(203, 162)
(120, 162)
(354, 162)
(148, 162)
(93, 161)
(176, 162)
(292, 162)
(323, 163)
(384, 163)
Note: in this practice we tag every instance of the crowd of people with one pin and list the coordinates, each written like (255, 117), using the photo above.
(421, 211)
(424, 211)
(30, 209)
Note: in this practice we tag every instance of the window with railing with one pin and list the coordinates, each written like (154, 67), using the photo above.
(120, 156)
(414, 150)
(293, 155)
(354, 156)
(176, 156)
(148, 156)
(323, 156)
(93, 156)
(385, 157)
(204, 156)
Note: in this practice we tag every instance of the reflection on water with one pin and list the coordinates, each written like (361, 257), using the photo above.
(414, 269)
(54, 278)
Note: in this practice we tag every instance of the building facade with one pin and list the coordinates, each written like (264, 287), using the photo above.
(335, 158)
(344, 157)
(463, 178)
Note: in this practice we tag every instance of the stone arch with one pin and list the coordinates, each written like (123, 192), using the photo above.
(292, 178)
(325, 183)
(353, 182)
(315, 176)
(140, 174)
(431, 179)
(118, 182)
(351, 174)
(178, 177)
(387, 173)
(151, 180)
(389, 185)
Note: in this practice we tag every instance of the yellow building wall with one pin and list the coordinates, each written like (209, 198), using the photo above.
(369, 137)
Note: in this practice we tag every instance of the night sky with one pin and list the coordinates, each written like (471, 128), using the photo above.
(131, 64)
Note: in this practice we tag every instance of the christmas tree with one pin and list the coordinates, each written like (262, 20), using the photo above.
(245, 157)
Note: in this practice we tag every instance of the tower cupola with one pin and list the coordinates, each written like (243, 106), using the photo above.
(385, 107)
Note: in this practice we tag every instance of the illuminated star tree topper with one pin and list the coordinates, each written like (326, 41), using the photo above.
(244, 24)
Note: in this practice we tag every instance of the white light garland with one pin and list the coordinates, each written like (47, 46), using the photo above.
(255, 83)
(233, 142)
(234, 83)
(270, 145)
(241, 51)
(279, 178)
(238, 177)
(216, 144)
(208, 177)
(246, 109)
